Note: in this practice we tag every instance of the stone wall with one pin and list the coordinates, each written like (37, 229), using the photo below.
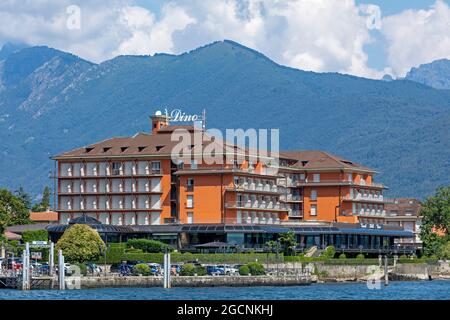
(203, 281)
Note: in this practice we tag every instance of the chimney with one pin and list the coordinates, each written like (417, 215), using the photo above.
(159, 121)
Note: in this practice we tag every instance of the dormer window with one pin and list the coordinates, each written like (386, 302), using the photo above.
(123, 149)
(106, 149)
(158, 148)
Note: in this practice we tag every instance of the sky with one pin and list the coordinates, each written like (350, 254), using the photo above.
(367, 38)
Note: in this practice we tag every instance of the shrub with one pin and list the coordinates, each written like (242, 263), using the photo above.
(328, 253)
(342, 256)
(360, 256)
(187, 270)
(200, 271)
(151, 246)
(244, 270)
(256, 269)
(141, 269)
(80, 243)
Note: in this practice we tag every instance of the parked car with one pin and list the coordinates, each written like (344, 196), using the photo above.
(44, 268)
(14, 264)
(229, 270)
(214, 270)
(155, 269)
(125, 269)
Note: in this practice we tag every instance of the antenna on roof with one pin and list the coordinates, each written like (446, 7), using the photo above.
(204, 119)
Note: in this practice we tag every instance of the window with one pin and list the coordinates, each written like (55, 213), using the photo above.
(190, 184)
(302, 176)
(190, 201)
(180, 164)
(116, 168)
(313, 210)
(313, 195)
(190, 217)
(156, 167)
(349, 177)
(316, 177)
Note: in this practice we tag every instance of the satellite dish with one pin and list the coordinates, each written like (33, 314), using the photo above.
(158, 113)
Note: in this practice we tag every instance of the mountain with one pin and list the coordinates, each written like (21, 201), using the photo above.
(435, 74)
(53, 102)
(9, 48)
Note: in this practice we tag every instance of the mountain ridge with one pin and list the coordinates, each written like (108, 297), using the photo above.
(435, 74)
(394, 127)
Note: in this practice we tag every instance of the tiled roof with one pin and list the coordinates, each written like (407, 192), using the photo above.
(141, 144)
(319, 159)
(44, 216)
(161, 144)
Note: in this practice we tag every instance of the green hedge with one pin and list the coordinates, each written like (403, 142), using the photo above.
(150, 246)
(34, 235)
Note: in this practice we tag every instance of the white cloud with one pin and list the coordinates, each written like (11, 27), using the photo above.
(317, 35)
(415, 37)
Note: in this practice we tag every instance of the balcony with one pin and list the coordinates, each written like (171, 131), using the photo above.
(255, 188)
(371, 213)
(108, 192)
(260, 218)
(257, 206)
(302, 183)
(291, 198)
(295, 213)
(287, 182)
(228, 169)
(365, 198)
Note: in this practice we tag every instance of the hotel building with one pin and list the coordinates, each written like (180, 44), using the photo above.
(133, 181)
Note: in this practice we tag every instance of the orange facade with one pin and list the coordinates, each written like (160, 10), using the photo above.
(134, 181)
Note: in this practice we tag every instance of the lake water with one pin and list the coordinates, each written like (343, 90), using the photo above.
(397, 290)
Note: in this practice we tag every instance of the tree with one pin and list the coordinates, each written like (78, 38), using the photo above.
(81, 243)
(435, 227)
(288, 243)
(45, 202)
(12, 210)
(25, 197)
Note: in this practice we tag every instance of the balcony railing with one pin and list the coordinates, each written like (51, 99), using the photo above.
(365, 197)
(295, 213)
(371, 213)
(252, 187)
(338, 182)
(291, 197)
(109, 192)
(256, 205)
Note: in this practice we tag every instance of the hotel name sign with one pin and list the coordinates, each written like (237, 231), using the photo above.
(177, 115)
